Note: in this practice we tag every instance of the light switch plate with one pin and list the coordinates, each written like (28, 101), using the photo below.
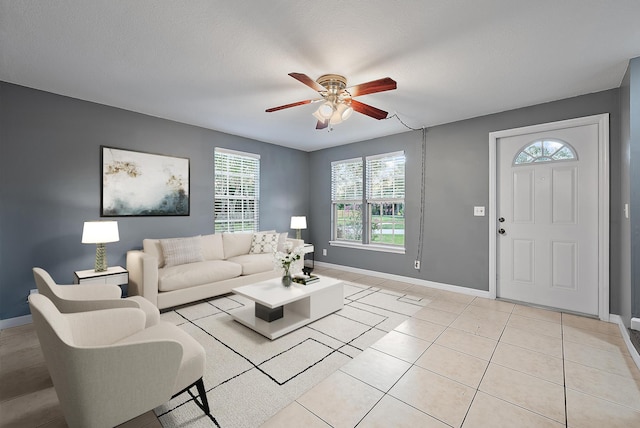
(478, 211)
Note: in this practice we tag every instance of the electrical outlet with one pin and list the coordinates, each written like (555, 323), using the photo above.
(416, 264)
(478, 211)
(324, 251)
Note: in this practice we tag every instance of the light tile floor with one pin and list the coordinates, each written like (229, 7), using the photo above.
(465, 361)
(460, 361)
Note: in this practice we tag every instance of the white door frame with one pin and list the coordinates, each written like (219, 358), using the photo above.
(602, 120)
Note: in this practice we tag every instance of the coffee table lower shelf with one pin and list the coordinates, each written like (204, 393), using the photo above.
(274, 329)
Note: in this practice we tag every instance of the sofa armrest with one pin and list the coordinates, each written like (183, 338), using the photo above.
(143, 275)
(296, 242)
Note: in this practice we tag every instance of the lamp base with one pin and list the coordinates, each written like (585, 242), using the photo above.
(298, 234)
(101, 258)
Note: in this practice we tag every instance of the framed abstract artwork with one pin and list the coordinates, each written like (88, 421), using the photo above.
(143, 184)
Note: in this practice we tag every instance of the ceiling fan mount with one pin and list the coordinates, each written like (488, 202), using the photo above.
(333, 82)
(337, 99)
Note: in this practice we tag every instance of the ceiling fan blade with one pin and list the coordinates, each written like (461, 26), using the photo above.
(373, 112)
(301, 77)
(380, 85)
(322, 124)
(299, 103)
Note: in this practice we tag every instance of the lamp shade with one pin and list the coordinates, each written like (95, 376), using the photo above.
(298, 222)
(100, 232)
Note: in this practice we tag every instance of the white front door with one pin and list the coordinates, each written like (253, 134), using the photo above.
(548, 208)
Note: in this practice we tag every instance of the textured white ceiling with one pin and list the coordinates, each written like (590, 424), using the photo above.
(219, 64)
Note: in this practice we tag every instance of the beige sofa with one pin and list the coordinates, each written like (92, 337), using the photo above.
(172, 272)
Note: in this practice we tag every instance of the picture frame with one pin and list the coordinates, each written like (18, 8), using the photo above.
(138, 184)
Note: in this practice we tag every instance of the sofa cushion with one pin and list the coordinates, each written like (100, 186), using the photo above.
(236, 243)
(180, 251)
(193, 274)
(254, 263)
(212, 247)
(264, 243)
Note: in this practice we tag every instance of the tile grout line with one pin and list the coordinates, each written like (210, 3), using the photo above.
(413, 364)
(477, 389)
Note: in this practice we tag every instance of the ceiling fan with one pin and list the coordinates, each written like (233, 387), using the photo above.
(337, 100)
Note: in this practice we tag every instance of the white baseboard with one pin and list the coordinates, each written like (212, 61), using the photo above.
(415, 281)
(635, 324)
(15, 322)
(625, 335)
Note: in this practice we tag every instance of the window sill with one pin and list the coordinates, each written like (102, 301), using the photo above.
(368, 247)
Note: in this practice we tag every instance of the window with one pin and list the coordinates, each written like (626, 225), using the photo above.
(385, 198)
(237, 191)
(377, 218)
(346, 199)
(545, 151)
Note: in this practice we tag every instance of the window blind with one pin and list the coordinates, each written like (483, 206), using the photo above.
(386, 177)
(237, 191)
(346, 180)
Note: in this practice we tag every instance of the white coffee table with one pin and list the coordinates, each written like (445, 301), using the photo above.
(278, 310)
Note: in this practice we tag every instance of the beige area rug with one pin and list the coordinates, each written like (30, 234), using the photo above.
(249, 378)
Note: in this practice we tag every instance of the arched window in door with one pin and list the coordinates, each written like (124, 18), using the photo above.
(547, 150)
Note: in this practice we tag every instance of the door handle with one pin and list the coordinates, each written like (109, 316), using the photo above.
(501, 231)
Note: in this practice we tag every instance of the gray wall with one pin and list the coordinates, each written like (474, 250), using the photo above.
(455, 242)
(50, 184)
(634, 177)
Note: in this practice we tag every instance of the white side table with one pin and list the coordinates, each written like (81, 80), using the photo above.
(116, 275)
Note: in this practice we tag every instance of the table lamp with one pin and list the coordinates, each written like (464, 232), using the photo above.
(298, 223)
(99, 233)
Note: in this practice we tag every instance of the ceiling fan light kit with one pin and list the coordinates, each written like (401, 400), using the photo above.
(325, 111)
(344, 111)
(338, 100)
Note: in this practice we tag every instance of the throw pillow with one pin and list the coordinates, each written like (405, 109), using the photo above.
(179, 251)
(264, 243)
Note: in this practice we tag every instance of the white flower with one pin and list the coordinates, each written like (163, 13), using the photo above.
(286, 260)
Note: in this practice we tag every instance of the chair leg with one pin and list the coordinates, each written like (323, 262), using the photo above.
(203, 396)
(199, 384)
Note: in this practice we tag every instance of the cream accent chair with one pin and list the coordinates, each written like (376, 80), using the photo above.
(107, 368)
(82, 298)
